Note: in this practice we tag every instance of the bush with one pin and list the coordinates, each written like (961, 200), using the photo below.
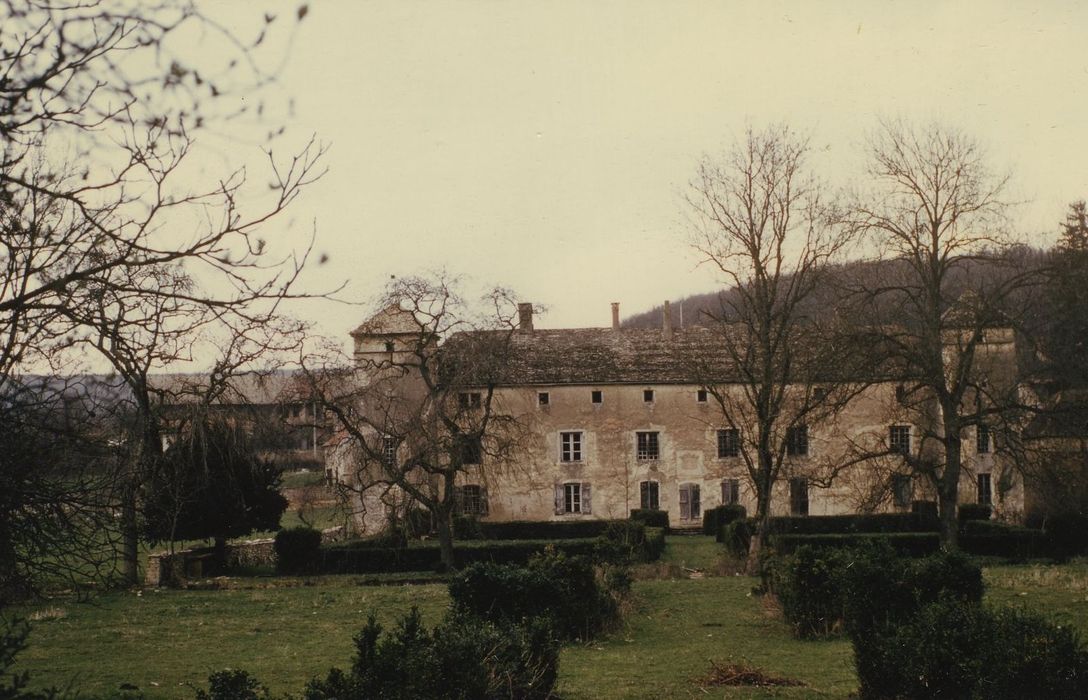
(988, 538)
(544, 529)
(467, 527)
(737, 537)
(652, 518)
(807, 587)
(927, 512)
(715, 518)
(953, 649)
(851, 524)
(464, 657)
(361, 557)
(623, 542)
(563, 590)
(1067, 533)
(655, 543)
(973, 511)
(298, 551)
(233, 685)
(417, 523)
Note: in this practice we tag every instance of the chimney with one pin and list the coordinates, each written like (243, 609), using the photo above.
(525, 316)
(666, 322)
(615, 315)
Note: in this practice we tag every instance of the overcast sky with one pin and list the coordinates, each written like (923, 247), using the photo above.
(544, 146)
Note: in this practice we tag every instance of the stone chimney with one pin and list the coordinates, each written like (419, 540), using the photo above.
(666, 321)
(525, 316)
(615, 315)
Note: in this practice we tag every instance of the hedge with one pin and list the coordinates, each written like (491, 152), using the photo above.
(988, 538)
(715, 518)
(348, 558)
(914, 544)
(973, 511)
(849, 524)
(544, 529)
(652, 518)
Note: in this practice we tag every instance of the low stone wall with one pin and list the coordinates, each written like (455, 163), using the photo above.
(175, 569)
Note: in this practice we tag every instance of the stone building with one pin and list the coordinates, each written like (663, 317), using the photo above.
(614, 419)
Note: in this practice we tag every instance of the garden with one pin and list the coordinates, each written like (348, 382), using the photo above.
(602, 609)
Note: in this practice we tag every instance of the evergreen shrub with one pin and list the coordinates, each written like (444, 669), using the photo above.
(298, 551)
(652, 518)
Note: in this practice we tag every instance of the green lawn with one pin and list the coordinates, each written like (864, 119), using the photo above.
(675, 627)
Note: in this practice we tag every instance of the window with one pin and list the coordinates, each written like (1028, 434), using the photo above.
(597, 396)
(573, 498)
(819, 394)
(728, 443)
(649, 498)
(797, 441)
(543, 398)
(389, 346)
(471, 450)
(730, 492)
(701, 395)
(899, 439)
(389, 451)
(648, 395)
(985, 490)
(900, 394)
(570, 447)
(471, 499)
(469, 399)
(902, 490)
(982, 439)
(690, 507)
(799, 496)
(647, 445)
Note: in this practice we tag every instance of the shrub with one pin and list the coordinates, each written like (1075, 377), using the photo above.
(233, 685)
(715, 518)
(807, 587)
(362, 557)
(914, 544)
(417, 523)
(298, 551)
(927, 512)
(973, 511)
(850, 524)
(563, 590)
(737, 537)
(652, 518)
(655, 543)
(467, 527)
(623, 542)
(544, 529)
(1067, 533)
(988, 538)
(953, 649)
(464, 657)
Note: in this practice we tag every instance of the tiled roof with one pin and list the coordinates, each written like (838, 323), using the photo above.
(392, 320)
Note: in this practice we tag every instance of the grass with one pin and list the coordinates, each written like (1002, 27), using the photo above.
(285, 631)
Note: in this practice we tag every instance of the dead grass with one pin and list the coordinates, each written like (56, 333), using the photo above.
(724, 674)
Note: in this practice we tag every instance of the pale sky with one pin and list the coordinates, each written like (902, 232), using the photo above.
(544, 146)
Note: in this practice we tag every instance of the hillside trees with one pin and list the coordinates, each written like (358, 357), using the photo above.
(763, 221)
(111, 237)
(937, 209)
(421, 413)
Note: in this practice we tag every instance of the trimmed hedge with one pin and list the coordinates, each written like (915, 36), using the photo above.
(848, 524)
(989, 538)
(652, 518)
(715, 518)
(1068, 533)
(737, 536)
(914, 544)
(544, 529)
(298, 550)
(973, 511)
(348, 558)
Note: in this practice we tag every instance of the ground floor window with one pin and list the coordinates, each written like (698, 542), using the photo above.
(649, 495)
(573, 497)
(902, 490)
(985, 490)
(690, 506)
(730, 492)
(470, 499)
(799, 496)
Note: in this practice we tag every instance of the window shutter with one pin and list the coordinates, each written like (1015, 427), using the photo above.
(644, 494)
(725, 492)
(685, 503)
(559, 510)
(483, 501)
(587, 501)
(734, 490)
(695, 501)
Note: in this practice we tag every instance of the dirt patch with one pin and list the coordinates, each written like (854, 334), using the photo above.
(723, 674)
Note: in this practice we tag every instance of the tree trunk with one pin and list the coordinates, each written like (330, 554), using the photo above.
(948, 493)
(444, 528)
(763, 514)
(130, 533)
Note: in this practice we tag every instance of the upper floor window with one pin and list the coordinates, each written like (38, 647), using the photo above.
(797, 441)
(570, 446)
(647, 446)
(728, 443)
(900, 394)
(701, 396)
(596, 396)
(469, 399)
(982, 439)
(471, 450)
(899, 439)
(649, 495)
(819, 394)
(389, 450)
(389, 346)
(543, 398)
(648, 395)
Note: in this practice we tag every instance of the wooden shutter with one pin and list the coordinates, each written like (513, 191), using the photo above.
(644, 494)
(559, 499)
(484, 508)
(696, 503)
(685, 503)
(587, 500)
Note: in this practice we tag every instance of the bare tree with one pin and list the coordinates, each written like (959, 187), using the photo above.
(419, 409)
(941, 310)
(766, 224)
